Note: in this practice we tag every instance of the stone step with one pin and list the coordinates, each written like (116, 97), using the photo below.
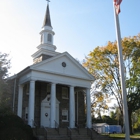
(52, 134)
(58, 138)
(80, 137)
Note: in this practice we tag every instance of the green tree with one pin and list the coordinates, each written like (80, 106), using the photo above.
(103, 64)
(109, 120)
(118, 116)
(112, 115)
(4, 67)
(99, 103)
(136, 119)
(12, 127)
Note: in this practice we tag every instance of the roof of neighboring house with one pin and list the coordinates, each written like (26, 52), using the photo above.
(99, 124)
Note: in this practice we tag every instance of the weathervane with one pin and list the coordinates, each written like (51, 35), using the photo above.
(48, 1)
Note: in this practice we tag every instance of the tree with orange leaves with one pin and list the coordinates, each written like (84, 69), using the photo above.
(103, 64)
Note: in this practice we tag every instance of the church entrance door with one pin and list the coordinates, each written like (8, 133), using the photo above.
(45, 112)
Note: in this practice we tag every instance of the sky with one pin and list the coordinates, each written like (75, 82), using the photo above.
(80, 26)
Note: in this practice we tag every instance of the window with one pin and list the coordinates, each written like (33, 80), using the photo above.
(48, 89)
(65, 93)
(64, 115)
(27, 89)
(49, 37)
(26, 113)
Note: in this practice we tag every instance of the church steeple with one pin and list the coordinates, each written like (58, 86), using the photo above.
(46, 49)
(47, 33)
(47, 19)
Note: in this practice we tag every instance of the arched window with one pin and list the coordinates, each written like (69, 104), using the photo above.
(49, 37)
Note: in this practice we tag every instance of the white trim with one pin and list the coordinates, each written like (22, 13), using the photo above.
(35, 66)
(46, 30)
(62, 74)
(44, 51)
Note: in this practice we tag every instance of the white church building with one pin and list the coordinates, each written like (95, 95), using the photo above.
(55, 89)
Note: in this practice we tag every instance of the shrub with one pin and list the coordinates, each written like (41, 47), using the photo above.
(13, 127)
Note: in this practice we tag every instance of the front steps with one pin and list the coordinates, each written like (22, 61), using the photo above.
(52, 134)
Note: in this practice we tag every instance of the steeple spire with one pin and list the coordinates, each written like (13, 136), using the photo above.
(47, 19)
(46, 49)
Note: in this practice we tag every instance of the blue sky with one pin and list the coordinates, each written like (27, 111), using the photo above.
(79, 26)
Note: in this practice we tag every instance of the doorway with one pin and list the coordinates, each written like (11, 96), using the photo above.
(46, 111)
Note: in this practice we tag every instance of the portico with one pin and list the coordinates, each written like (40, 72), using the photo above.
(71, 99)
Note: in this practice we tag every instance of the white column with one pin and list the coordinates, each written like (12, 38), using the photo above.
(31, 103)
(53, 105)
(72, 108)
(88, 102)
(20, 97)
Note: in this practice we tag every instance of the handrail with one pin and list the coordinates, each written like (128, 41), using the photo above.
(34, 123)
(45, 132)
(77, 127)
(69, 133)
(45, 129)
(89, 132)
(36, 126)
(95, 130)
(56, 126)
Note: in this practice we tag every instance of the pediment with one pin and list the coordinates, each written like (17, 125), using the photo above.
(48, 100)
(63, 64)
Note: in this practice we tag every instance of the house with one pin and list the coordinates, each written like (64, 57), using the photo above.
(105, 128)
(52, 91)
(99, 127)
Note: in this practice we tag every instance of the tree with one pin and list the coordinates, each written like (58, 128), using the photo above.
(136, 119)
(4, 67)
(118, 116)
(98, 103)
(109, 120)
(11, 126)
(103, 64)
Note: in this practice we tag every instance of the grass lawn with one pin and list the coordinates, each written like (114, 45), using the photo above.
(136, 136)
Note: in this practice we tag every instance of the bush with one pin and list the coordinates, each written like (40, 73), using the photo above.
(13, 127)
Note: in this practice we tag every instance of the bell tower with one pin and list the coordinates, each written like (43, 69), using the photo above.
(46, 49)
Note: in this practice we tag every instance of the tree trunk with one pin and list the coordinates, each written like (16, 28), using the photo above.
(130, 122)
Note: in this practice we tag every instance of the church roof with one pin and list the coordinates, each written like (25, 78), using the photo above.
(47, 19)
(54, 70)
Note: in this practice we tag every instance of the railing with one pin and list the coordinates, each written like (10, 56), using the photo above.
(36, 126)
(95, 130)
(77, 127)
(69, 133)
(89, 132)
(45, 132)
(56, 126)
